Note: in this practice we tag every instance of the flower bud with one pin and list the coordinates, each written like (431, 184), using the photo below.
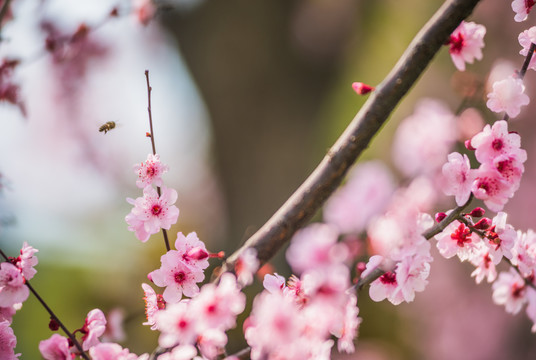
(483, 224)
(477, 212)
(440, 216)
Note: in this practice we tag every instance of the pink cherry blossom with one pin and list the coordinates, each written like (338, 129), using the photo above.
(217, 307)
(466, 43)
(12, 287)
(524, 252)
(152, 212)
(501, 238)
(411, 276)
(348, 332)
(182, 352)
(508, 95)
(273, 283)
(510, 290)
(110, 351)
(150, 172)
(495, 140)
(114, 326)
(6, 313)
(485, 268)
(26, 261)
(456, 239)
(458, 177)
(522, 9)
(492, 188)
(177, 277)
(8, 341)
(423, 140)
(212, 343)
(385, 288)
(177, 324)
(153, 304)
(368, 183)
(315, 246)
(93, 328)
(55, 348)
(246, 266)
(526, 39)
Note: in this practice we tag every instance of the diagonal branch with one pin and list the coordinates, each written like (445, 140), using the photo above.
(310, 196)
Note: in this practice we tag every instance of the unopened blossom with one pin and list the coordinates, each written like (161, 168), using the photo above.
(93, 328)
(485, 268)
(26, 261)
(522, 9)
(526, 39)
(508, 95)
(368, 183)
(423, 140)
(361, 88)
(246, 266)
(150, 171)
(12, 287)
(458, 177)
(153, 304)
(177, 324)
(8, 341)
(510, 290)
(456, 239)
(55, 348)
(216, 307)
(193, 251)
(315, 246)
(111, 351)
(466, 43)
(177, 277)
(152, 212)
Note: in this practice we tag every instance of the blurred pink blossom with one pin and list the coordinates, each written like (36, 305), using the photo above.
(508, 95)
(510, 290)
(12, 287)
(522, 9)
(8, 341)
(55, 348)
(526, 39)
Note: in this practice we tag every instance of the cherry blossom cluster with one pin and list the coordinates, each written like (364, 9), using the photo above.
(285, 323)
(14, 273)
(155, 210)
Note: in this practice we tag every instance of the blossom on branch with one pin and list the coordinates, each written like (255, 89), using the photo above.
(55, 348)
(150, 172)
(12, 285)
(466, 43)
(8, 341)
(510, 290)
(526, 39)
(458, 177)
(152, 212)
(26, 261)
(93, 328)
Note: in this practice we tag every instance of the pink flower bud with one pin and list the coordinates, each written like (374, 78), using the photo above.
(468, 145)
(197, 253)
(440, 216)
(483, 224)
(362, 89)
(477, 212)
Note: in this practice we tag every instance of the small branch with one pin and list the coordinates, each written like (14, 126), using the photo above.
(310, 196)
(51, 313)
(149, 89)
(3, 12)
(454, 215)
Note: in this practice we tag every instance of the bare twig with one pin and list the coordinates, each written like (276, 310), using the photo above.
(310, 196)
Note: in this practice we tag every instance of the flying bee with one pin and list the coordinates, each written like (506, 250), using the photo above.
(107, 126)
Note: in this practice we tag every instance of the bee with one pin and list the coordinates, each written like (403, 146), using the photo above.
(107, 126)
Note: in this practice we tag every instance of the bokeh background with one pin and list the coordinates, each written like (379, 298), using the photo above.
(247, 98)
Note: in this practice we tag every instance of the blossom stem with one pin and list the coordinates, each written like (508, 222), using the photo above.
(149, 89)
(53, 315)
(310, 196)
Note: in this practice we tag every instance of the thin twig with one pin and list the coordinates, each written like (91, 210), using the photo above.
(149, 89)
(310, 196)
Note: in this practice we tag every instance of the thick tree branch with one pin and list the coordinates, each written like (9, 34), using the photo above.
(310, 196)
